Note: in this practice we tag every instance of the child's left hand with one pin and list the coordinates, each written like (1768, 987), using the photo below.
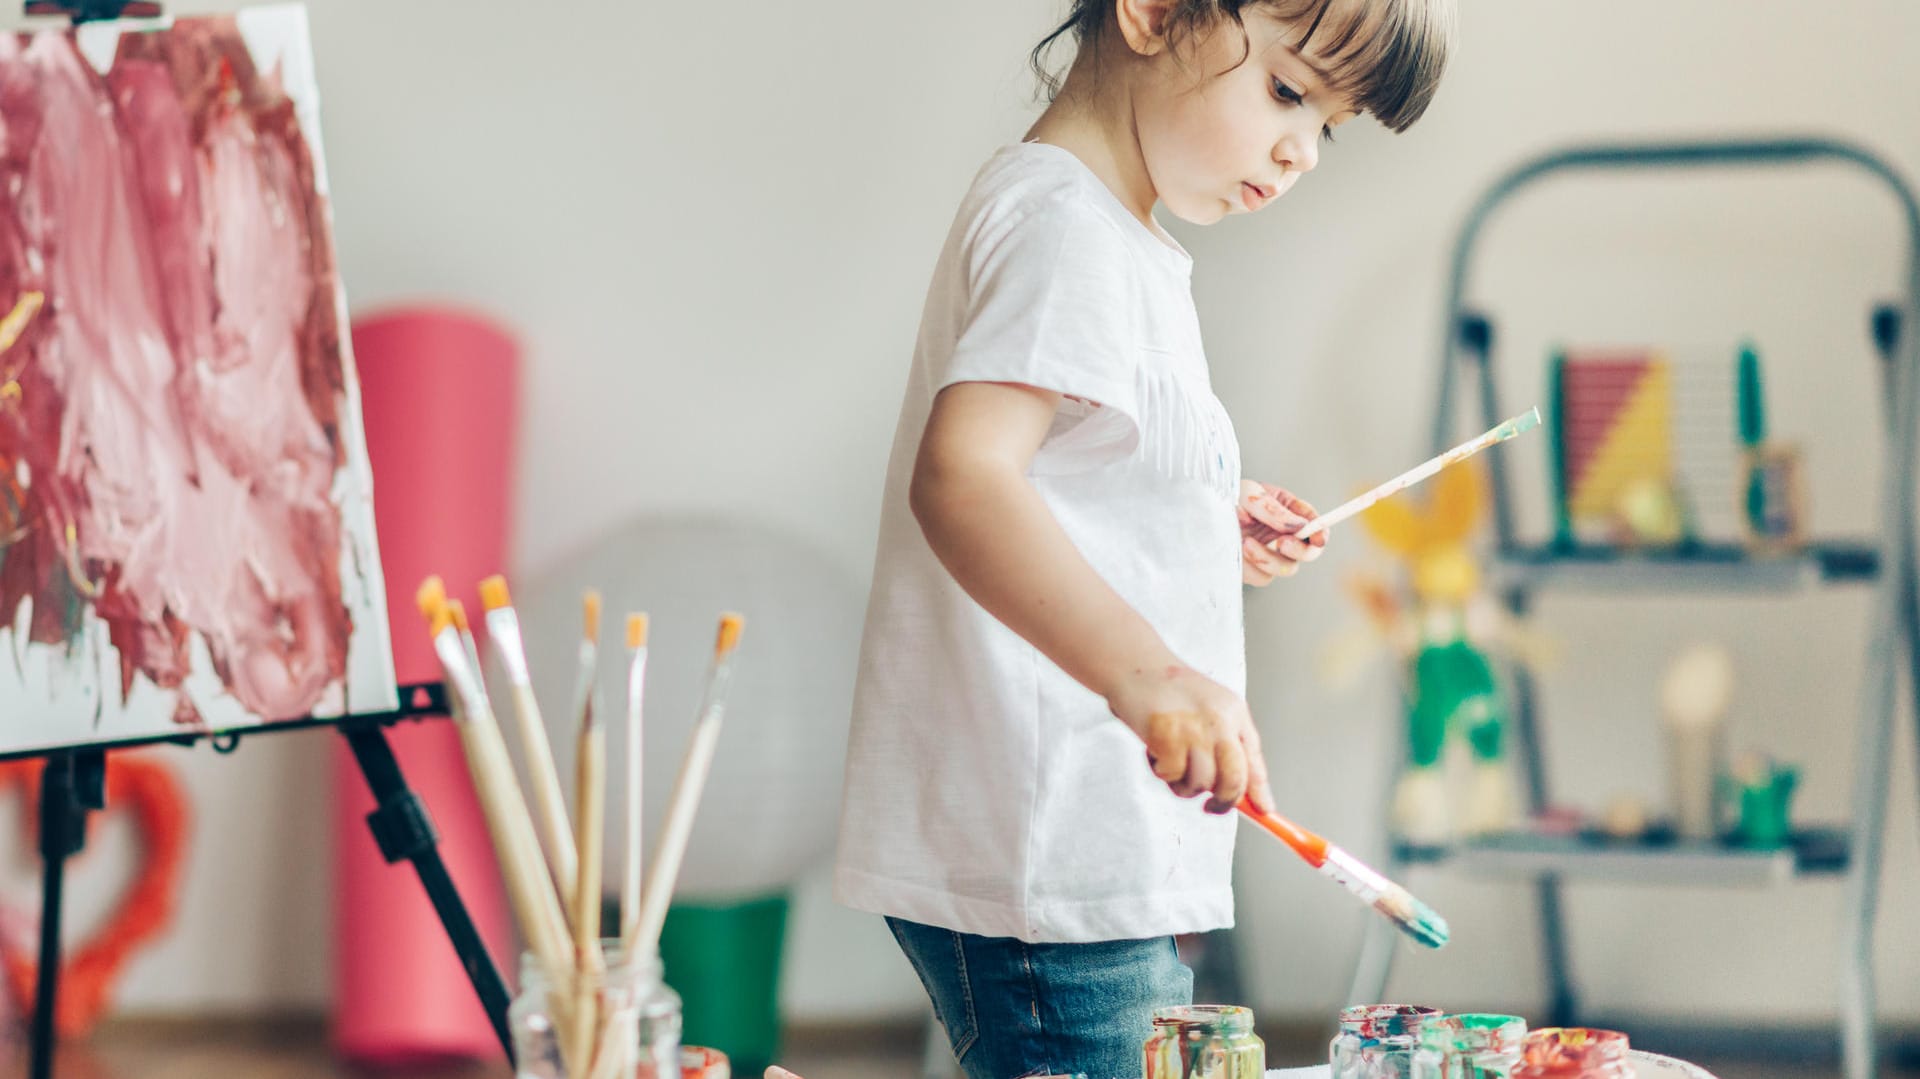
(1268, 513)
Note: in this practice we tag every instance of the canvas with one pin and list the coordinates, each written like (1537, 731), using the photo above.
(185, 498)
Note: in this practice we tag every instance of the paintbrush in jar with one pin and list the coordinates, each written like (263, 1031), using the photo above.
(549, 805)
(589, 818)
(644, 937)
(1414, 918)
(636, 699)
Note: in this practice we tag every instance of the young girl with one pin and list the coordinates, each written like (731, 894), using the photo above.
(1065, 533)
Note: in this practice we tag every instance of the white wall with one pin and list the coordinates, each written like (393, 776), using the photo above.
(712, 224)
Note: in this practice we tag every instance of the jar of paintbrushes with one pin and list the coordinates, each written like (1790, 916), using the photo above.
(619, 1021)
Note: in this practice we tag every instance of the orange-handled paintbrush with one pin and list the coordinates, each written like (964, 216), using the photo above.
(1414, 918)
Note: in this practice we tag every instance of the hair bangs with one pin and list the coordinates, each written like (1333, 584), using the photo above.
(1386, 57)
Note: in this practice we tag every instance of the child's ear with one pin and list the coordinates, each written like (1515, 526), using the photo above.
(1143, 23)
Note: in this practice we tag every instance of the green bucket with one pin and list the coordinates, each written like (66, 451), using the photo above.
(724, 961)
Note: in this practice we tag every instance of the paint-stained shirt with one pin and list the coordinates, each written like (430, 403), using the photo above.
(987, 791)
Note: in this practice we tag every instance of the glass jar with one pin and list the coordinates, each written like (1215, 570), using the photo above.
(1205, 1041)
(1574, 1053)
(1377, 1041)
(1469, 1046)
(635, 1015)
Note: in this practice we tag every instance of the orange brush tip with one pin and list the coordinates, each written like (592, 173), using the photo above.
(590, 610)
(493, 593)
(431, 596)
(730, 624)
(439, 621)
(636, 631)
(458, 612)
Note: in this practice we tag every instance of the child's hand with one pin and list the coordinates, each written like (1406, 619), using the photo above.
(1269, 514)
(1200, 737)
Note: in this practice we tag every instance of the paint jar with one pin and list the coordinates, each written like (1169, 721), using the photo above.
(1377, 1041)
(634, 1015)
(1469, 1046)
(1574, 1053)
(1205, 1041)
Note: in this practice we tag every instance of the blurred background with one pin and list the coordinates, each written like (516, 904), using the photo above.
(709, 229)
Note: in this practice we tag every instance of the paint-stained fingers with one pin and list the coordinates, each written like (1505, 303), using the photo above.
(1253, 569)
(1265, 561)
(1230, 782)
(775, 1071)
(1201, 772)
(1304, 509)
(1167, 741)
(1258, 790)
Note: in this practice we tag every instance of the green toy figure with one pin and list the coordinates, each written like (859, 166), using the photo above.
(1450, 684)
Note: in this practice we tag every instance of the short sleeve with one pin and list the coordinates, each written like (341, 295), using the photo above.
(1052, 301)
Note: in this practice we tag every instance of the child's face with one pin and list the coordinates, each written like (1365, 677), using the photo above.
(1219, 136)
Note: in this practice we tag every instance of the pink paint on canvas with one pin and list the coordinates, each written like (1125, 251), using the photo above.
(172, 427)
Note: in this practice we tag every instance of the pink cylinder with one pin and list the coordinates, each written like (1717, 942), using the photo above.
(438, 390)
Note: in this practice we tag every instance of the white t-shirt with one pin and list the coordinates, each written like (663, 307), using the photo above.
(986, 791)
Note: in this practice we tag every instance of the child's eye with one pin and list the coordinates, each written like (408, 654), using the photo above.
(1286, 94)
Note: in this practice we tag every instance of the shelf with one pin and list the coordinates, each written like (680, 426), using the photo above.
(1695, 568)
(1813, 852)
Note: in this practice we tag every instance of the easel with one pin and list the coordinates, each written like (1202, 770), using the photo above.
(74, 781)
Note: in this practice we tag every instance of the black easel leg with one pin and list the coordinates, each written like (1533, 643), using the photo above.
(56, 799)
(71, 784)
(404, 831)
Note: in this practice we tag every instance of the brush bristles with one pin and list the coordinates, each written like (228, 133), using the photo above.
(636, 631)
(590, 604)
(1414, 918)
(730, 625)
(438, 621)
(431, 596)
(493, 593)
(458, 611)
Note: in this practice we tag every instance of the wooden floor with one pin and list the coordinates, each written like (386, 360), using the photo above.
(298, 1050)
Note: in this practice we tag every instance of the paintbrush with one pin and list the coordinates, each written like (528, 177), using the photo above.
(535, 904)
(589, 817)
(1518, 425)
(645, 935)
(1414, 918)
(636, 695)
(550, 808)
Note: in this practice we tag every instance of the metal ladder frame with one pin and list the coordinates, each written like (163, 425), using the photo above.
(1896, 608)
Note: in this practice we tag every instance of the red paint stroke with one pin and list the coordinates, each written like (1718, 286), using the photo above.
(171, 449)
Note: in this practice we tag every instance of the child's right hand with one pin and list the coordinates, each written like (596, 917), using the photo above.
(1200, 736)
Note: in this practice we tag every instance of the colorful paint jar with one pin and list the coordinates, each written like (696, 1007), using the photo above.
(1377, 1041)
(1469, 1046)
(1205, 1041)
(637, 1018)
(1574, 1053)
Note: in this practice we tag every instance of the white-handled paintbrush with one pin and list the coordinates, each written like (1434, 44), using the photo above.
(633, 839)
(549, 805)
(685, 800)
(1518, 425)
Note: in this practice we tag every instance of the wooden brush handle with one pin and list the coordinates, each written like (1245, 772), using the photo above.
(1304, 843)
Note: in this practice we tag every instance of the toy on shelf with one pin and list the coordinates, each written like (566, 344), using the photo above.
(1760, 793)
(1440, 625)
(1694, 697)
(1650, 452)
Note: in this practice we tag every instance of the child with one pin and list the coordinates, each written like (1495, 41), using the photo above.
(1065, 533)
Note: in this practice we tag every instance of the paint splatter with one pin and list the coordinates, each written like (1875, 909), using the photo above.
(170, 437)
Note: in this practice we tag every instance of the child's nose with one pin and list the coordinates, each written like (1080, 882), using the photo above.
(1297, 152)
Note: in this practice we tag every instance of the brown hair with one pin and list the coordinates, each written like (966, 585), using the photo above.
(1386, 55)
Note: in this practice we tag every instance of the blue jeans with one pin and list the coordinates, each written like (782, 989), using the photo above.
(1014, 1009)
